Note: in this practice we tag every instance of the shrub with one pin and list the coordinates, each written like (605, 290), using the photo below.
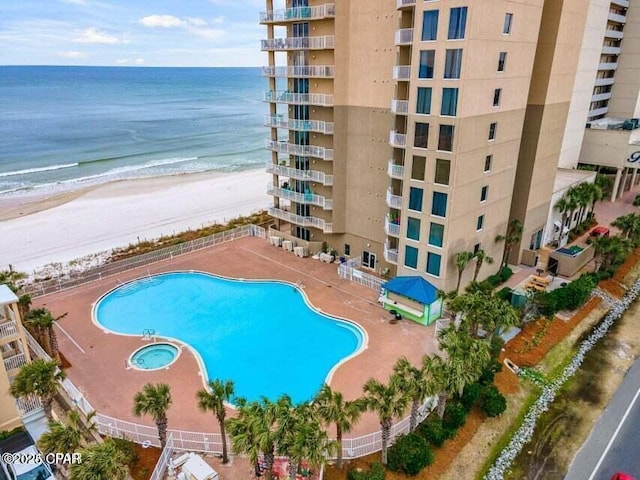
(492, 402)
(410, 454)
(489, 372)
(433, 431)
(505, 294)
(470, 395)
(454, 416)
(636, 201)
(495, 347)
(505, 274)
(375, 472)
(128, 448)
(567, 298)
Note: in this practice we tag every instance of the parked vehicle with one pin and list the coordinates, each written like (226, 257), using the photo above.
(598, 232)
(30, 466)
(622, 476)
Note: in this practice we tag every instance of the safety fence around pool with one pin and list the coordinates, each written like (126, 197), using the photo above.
(45, 287)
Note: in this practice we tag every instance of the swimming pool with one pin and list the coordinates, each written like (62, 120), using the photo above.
(260, 334)
(154, 356)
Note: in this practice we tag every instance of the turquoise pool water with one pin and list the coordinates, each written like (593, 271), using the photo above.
(154, 356)
(261, 335)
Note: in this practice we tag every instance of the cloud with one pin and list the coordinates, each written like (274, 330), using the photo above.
(126, 61)
(72, 54)
(162, 21)
(194, 25)
(93, 35)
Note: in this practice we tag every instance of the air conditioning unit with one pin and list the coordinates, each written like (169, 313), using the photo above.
(275, 241)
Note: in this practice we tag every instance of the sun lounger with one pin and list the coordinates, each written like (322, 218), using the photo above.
(540, 280)
(534, 286)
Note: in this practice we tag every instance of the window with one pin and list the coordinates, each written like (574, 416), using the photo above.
(480, 222)
(415, 199)
(347, 249)
(413, 228)
(427, 59)
(443, 167)
(429, 25)
(502, 60)
(508, 19)
(436, 234)
(476, 248)
(433, 264)
(453, 63)
(421, 135)
(449, 102)
(457, 23)
(492, 130)
(368, 259)
(445, 139)
(424, 101)
(487, 163)
(439, 206)
(410, 257)
(483, 193)
(418, 168)
(496, 97)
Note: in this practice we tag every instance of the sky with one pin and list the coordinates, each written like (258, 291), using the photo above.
(198, 33)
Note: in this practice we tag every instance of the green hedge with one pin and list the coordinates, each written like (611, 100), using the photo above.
(433, 431)
(502, 276)
(569, 297)
(492, 401)
(454, 416)
(470, 395)
(375, 472)
(410, 454)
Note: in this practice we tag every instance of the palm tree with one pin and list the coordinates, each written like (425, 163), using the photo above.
(597, 194)
(610, 250)
(154, 400)
(100, 461)
(61, 437)
(583, 196)
(388, 401)
(629, 225)
(572, 200)
(462, 259)
(481, 258)
(563, 207)
(332, 408)
(40, 378)
(605, 182)
(416, 382)
(512, 237)
(42, 320)
(484, 308)
(213, 400)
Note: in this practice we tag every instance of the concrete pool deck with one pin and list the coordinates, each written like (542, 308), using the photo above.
(99, 360)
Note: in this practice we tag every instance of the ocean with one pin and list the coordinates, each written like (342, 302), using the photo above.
(65, 128)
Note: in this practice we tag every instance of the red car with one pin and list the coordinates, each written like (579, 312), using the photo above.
(622, 476)
(597, 233)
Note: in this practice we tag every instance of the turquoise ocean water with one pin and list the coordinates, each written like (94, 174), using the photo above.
(65, 128)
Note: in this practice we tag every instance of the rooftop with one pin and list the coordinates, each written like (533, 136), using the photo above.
(6, 295)
(568, 177)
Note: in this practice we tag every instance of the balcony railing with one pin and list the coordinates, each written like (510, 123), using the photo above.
(391, 228)
(404, 36)
(298, 13)
(301, 150)
(617, 34)
(394, 201)
(400, 107)
(597, 112)
(402, 72)
(405, 3)
(616, 17)
(298, 43)
(27, 405)
(608, 66)
(395, 171)
(15, 362)
(599, 97)
(390, 255)
(319, 99)
(308, 175)
(8, 329)
(621, 3)
(300, 220)
(304, 198)
(398, 140)
(611, 50)
(278, 121)
(304, 71)
(601, 82)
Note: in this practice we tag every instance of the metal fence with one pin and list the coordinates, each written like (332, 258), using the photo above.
(37, 289)
(163, 461)
(358, 276)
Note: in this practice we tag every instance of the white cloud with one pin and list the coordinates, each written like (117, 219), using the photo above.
(194, 25)
(93, 35)
(126, 61)
(162, 21)
(72, 54)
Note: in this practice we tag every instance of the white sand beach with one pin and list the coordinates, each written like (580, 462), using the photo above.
(64, 228)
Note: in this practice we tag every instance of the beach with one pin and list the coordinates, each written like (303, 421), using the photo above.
(63, 228)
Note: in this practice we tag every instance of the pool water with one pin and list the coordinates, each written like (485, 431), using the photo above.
(261, 335)
(155, 356)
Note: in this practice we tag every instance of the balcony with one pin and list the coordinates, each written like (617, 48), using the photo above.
(300, 220)
(394, 201)
(8, 329)
(404, 36)
(621, 3)
(599, 97)
(300, 71)
(608, 66)
(308, 175)
(613, 34)
(400, 107)
(390, 228)
(601, 82)
(304, 198)
(287, 15)
(398, 140)
(15, 362)
(611, 50)
(402, 72)
(301, 150)
(405, 3)
(395, 171)
(390, 255)
(326, 42)
(318, 99)
(616, 17)
(278, 121)
(597, 112)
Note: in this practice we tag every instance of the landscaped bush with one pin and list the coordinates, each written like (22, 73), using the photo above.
(489, 372)
(470, 395)
(636, 201)
(433, 431)
(128, 448)
(505, 294)
(495, 347)
(410, 454)
(375, 472)
(492, 401)
(567, 298)
(502, 276)
(454, 416)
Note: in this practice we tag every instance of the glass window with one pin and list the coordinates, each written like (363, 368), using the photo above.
(453, 63)
(483, 193)
(508, 20)
(439, 206)
(449, 102)
(429, 25)
(443, 168)
(457, 23)
(424, 101)
(410, 257)
(433, 264)
(445, 139)
(496, 96)
(480, 222)
(487, 163)
(347, 249)
(418, 167)
(421, 135)
(413, 228)
(492, 130)
(415, 199)
(476, 248)
(502, 60)
(436, 234)
(427, 59)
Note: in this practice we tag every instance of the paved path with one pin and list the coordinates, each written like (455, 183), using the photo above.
(614, 443)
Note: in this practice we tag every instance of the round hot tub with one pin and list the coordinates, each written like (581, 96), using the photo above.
(154, 357)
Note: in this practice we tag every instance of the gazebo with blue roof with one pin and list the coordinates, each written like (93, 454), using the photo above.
(413, 298)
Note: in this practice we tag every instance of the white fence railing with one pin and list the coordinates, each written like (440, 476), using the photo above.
(358, 276)
(14, 362)
(8, 329)
(43, 288)
(163, 461)
(27, 405)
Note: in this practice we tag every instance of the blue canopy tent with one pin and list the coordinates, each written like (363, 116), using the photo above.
(414, 298)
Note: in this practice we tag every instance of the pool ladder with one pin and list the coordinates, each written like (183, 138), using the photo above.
(149, 334)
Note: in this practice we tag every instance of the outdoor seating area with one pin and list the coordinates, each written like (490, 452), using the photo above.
(191, 466)
(538, 283)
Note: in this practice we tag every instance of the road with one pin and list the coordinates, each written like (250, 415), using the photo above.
(614, 443)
